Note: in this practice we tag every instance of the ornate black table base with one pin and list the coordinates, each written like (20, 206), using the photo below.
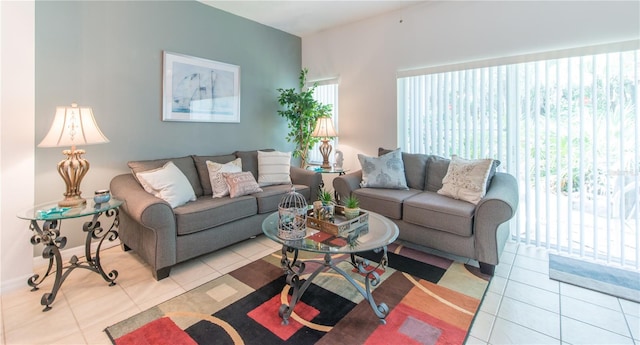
(294, 269)
(49, 235)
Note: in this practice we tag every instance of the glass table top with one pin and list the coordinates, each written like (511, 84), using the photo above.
(332, 170)
(51, 211)
(379, 232)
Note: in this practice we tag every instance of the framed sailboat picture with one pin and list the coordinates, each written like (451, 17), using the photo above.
(199, 90)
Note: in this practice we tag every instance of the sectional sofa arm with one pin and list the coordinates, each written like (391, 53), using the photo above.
(310, 178)
(149, 211)
(497, 207)
(344, 185)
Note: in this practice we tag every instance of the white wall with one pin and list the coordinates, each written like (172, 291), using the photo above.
(17, 108)
(367, 55)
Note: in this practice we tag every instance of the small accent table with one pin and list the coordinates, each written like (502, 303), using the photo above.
(49, 234)
(375, 236)
(332, 170)
(319, 169)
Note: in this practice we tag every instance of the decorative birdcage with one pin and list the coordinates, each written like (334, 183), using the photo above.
(292, 216)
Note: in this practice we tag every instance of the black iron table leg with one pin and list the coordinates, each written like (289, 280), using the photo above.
(294, 269)
(49, 236)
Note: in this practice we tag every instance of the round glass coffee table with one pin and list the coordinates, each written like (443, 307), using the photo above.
(375, 236)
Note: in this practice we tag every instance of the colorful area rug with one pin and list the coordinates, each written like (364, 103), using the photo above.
(432, 300)
(606, 279)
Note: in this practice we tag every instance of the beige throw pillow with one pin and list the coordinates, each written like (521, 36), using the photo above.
(167, 183)
(274, 168)
(219, 186)
(466, 179)
(241, 183)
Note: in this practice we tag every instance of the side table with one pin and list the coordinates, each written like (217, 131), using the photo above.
(319, 169)
(332, 170)
(48, 234)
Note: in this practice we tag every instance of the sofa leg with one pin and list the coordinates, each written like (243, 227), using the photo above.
(486, 268)
(125, 248)
(161, 273)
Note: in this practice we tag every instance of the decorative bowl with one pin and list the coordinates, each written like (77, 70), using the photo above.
(101, 196)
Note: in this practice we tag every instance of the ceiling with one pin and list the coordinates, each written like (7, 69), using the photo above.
(305, 17)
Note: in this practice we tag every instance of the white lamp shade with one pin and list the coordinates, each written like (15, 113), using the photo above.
(73, 126)
(324, 128)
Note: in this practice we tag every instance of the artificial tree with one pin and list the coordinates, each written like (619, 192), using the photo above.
(302, 111)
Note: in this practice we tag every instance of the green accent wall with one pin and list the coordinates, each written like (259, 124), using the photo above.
(108, 55)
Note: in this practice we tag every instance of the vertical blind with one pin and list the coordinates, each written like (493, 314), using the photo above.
(326, 93)
(567, 128)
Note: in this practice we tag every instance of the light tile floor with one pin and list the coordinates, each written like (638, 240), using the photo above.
(522, 305)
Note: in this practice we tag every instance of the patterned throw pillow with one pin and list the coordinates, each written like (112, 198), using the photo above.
(466, 179)
(241, 183)
(274, 168)
(167, 183)
(386, 171)
(219, 186)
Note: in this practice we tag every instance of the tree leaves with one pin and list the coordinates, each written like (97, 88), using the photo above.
(302, 111)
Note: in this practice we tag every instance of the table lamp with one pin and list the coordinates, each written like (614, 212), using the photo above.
(73, 126)
(324, 130)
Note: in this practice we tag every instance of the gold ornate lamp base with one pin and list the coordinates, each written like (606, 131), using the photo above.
(72, 171)
(325, 150)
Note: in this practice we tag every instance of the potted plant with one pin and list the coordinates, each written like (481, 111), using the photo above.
(328, 206)
(302, 112)
(351, 207)
(326, 197)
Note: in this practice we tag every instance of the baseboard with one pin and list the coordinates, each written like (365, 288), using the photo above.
(40, 263)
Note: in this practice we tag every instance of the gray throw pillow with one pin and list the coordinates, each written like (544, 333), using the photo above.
(386, 171)
(436, 171)
(415, 167)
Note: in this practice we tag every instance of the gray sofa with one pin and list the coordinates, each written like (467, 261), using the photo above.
(432, 220)
(163, 236)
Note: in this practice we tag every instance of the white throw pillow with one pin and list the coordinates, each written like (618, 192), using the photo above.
(219, 186)
(466, 179)
(274, 168)
(167, 183)
(386, 171)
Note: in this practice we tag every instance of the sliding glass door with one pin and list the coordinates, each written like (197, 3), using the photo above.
(567, 128)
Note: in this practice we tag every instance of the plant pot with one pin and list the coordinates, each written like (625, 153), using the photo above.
(351, 213)
(329, 211)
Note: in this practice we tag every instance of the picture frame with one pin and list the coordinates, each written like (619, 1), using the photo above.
(199, 90)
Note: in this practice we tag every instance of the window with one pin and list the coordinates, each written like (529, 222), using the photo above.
(326, 92)
(567, 128)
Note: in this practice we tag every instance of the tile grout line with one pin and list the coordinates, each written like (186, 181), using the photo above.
(560, 308)
(493, 324)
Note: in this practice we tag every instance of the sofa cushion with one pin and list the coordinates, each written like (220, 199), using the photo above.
(415, 167)
(437, 168)
(492, 172)
(250, 160)
(273, 168)
(387, 202)
(466, 179)
(185, 164)
(386, 171)
(219, 187)
(270, 197)
(241, 183)
(206, 212)
(203, 172)
(435, 211)
(436, 171)
(167, 183)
